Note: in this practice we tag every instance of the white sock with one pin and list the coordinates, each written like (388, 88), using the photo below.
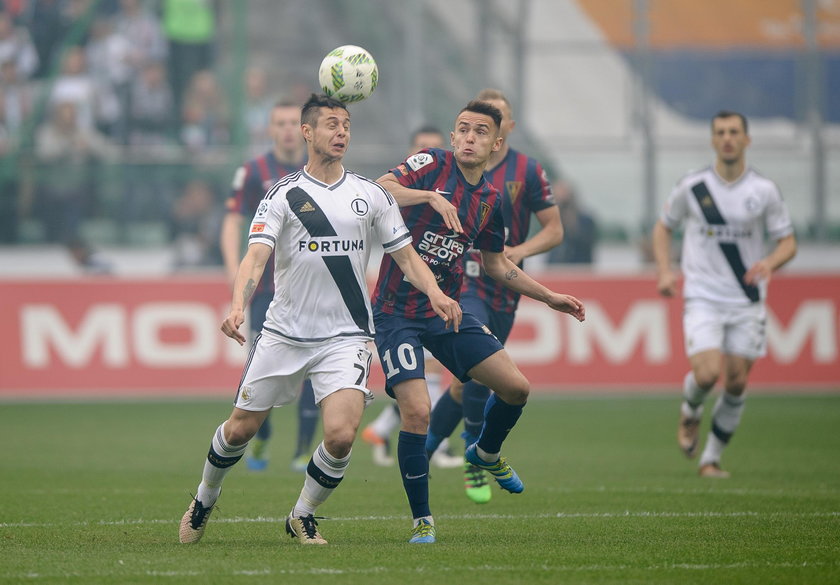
(316, 490)
(693, 396)
(429, 519)
(388, 420)
(485, 456)
(725, 420)
(220, 459)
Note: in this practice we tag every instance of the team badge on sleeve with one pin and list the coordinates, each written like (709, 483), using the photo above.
(418, 161)
(262, 209)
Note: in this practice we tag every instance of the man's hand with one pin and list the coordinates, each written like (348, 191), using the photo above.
(447, 309)
(666, 284)
(230, 326)
(448, 211)
(567, 304)
(759, 271)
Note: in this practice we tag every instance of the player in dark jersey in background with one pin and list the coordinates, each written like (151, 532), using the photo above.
(525, 190)
(449, 206)
(250, 184)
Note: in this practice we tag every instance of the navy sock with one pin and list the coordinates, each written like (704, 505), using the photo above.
(475, 399)
(445, 417)
(414, 469)
(264, 432)
(307, 419)
(499, 419)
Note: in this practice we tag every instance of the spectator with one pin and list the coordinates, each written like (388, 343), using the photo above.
(16, 46)
(190, 28)
(204, 122)
(151, 107)
(47, 26)
(256, 111)
(107, 55)
(143, 33)
(579, 229)
(195, 224)
(74, 85)
(18, 97)
(67, 151)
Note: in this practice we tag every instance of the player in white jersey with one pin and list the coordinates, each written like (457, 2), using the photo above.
(726, 210)
(320, 222)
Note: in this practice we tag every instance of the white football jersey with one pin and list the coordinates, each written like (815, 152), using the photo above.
(724, 232)
(322, 235)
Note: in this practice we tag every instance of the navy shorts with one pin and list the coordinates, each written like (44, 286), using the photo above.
(400, 342)
(499, 323)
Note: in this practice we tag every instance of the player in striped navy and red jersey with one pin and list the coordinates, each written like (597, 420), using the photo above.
(525, 190)
(250, 184)
(448, 206)
(478, 205)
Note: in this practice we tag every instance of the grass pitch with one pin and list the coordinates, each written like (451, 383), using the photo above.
(93, 492)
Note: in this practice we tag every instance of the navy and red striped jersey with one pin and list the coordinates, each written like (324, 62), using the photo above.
(480, 212)
(250, 184)
(525, 190)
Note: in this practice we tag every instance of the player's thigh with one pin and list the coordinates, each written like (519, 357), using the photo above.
(462, 351)
(746, 332)
(341, 414)
(500, 373)
(400, 349)
(339, 365)
(272, 375)
(703, 327)
(706, 366)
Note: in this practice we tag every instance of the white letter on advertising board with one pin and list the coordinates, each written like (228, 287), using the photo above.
(645, 322)
(198, 319)
(103, 326)
(545, 345)
(813, 320)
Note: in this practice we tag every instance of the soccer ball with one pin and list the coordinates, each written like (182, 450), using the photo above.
(348, 73)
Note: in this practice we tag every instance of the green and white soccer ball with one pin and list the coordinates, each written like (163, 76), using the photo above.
(348, 73)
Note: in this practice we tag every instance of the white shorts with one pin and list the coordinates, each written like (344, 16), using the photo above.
(276, 369)
(736, 330)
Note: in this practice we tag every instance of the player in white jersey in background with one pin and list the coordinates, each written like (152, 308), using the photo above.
(320, 222)
(726, 209)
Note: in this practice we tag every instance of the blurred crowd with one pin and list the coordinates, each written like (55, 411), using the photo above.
(114, 109)
(115, 126)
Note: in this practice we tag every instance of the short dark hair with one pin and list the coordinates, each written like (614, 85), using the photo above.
(480, 107)
(729, 114)
(309, 112)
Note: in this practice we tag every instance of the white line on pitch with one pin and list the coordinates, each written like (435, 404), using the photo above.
(559, 515)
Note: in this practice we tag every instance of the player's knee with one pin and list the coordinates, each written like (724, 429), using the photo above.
(415, 419)
(736, 384)
(339, 443)
(515, 392)
(238, 432)
(706, 375)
